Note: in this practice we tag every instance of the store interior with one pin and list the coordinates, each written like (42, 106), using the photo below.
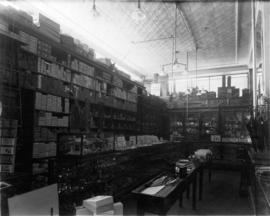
(134, 107)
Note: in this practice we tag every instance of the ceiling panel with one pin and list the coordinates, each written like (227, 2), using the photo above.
(211, 25)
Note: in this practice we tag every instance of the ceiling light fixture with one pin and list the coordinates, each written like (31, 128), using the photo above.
(138, 14)
(95, 12)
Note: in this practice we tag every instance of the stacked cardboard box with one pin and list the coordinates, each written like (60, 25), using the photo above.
(100, 205)
(53, 70)
(134, 90)
(83, 81)
(49, 28)
(84, 50)
(42, 134)
(117, 81)
(32, 42)
(51, 103)
(40, 167)
(146, 140)
(211, 95)
(67, 40)
(44, 50)
(48, 119)
(105, 61)
(3, 25)
(43, 149)
(82, 67)
(119, 93)
(8, 134)
(123, 74)
(107, 77)
(120, 143)
(24, 18)
(245, 93)
(132, 97)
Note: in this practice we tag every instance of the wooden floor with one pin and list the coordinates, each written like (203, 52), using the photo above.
(220, 197)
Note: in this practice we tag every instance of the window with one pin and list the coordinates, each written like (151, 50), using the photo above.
(240, 81)
(215, 82)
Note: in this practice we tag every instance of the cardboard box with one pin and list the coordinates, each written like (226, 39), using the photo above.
(118, 208)
(99, 203)
(6, 168)
(7, 150)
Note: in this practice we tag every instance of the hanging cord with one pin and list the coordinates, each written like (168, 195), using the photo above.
(196, 65)
(174, 46)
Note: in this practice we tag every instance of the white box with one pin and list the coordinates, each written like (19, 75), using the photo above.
(82, 211)
(215, 138)
(99, 204)
(118, 208)
(7, 150)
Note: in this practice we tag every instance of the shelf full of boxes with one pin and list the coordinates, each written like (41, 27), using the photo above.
(8, 140)
(9, 101)
(62, 75)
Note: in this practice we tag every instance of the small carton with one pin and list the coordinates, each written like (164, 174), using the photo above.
(99, 204)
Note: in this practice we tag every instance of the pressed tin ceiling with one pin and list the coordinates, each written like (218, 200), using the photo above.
(219, 30)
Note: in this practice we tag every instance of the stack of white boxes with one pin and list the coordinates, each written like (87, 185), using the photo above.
(146, 140)
(51, 103)
(53, 70)
(132, 141)
(48, 119)
(83, 81)
(120, 143)
(100, 205)
(32, 42)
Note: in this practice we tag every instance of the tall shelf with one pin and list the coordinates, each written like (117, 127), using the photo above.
(63, 91)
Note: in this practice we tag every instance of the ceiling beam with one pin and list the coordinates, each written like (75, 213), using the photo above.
(236, 30)
(187, 25)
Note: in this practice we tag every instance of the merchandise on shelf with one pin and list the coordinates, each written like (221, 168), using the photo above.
(43, 134)
(49, 28)
(8, 139)
(107, 77)
(82, 67)
(52, 103)
(3, 25)
(119, 93)
(53, 70)
(67, 40)
(49, 119)
(44, 50)
(41, 167)
(42, 149)
(117, 81)
(31, 41)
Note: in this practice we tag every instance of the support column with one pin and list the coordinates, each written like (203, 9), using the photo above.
(266, 56)
(254, 74)
(266, 47)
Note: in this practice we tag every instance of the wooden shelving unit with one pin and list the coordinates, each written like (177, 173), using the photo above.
(62, 91)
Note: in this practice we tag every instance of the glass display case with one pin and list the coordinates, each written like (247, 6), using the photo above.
(82, 144)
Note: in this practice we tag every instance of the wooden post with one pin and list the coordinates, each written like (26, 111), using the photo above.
(254, 72)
